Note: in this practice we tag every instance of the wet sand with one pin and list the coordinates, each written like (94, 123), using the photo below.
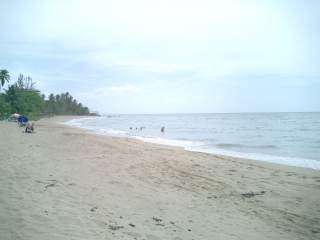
(64, 183)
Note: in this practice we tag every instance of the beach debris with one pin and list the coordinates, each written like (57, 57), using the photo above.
(115, 227)
(158, 220)
(93, 209)
(131, 225)
(213, 196)
(53, 184)
(252, 194)
(49, 185)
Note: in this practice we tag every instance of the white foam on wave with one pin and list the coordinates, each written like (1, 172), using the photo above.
(169, 142)
(79, 122)
(83, 124)
(196, 146)
(290, 161)
(116, 132)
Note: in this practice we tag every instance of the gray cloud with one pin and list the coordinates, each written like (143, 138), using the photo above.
(180, 56)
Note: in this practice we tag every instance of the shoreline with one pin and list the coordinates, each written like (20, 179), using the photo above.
(65, 183)
(261, 157)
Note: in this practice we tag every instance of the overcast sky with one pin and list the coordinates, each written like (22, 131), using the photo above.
(145, 56)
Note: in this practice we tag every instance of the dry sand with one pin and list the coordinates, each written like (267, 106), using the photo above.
(63, 183)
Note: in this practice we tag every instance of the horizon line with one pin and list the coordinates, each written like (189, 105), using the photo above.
(185, 113)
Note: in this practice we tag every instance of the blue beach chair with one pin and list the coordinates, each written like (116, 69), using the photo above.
(22, 121)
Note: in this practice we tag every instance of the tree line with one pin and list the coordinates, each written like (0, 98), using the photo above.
(64, 104)
(22, 97)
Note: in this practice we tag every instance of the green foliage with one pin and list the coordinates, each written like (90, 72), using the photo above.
(5, 109)
(4, 77)
(23, 98)
(24, 101)
(64, 104)
(25, 82)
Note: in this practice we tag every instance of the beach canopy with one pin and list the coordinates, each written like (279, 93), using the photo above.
(22, 119)
(15, 115)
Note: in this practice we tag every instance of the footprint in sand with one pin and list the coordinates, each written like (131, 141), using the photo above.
(158, 220)
(252, 194)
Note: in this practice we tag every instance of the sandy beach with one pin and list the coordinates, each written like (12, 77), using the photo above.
(64, 183)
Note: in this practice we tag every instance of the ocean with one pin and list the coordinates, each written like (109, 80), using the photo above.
(285, 138)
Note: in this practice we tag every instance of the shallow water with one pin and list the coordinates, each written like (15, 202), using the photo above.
(287, 138)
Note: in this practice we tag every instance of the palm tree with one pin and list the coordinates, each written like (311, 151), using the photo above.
(4, 77)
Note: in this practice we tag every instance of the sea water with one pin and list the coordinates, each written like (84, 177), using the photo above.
(285, 138)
